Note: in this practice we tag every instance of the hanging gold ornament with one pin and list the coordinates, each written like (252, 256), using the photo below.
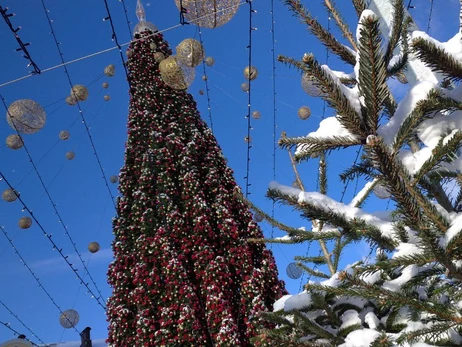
(190, 52)
(107, 98)
(80, 92)
(208, 14)
(71, 100)
(250, 73)
(9, 195)
(209, 61)
(26, 116)
(310, 86)
(256, 114)
(176, 74)
(105, 85)
(70, 155)
(304, 112)
(113, 179)
(159, 56)
(14, 141)
(109, 70)
(245, 87)
(93, 247)
(64, 135)
(25, 222)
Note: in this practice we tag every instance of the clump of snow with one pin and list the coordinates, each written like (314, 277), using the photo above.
(405, 249)
(293, 302)
(407, 274)
(454, 230)
(360, 338)
(372, 320)
(349, 318)
(371, 278)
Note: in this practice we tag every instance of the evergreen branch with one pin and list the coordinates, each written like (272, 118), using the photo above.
(443, 152)
(435, 330)
(396, 29)
(346, 113)
(313, 272)
(318, 260)
(312, 145)
(398, 66)
(422, 277)
(322, 174)
(341, 24)
(359, 6)
(364, 168)
(320, 32)
(458, 199)
(312, 326)
(437, 59)
(372, 72)
(345, 331)
(349, 82)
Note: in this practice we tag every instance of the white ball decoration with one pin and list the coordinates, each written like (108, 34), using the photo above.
(64, 135)
(209, 14)
(256, 114)
(304, 112)
(26, 116)
(309, 85)
(190, 52)
(94, 247)
(372, 140)
(381, 192)
(69, 318)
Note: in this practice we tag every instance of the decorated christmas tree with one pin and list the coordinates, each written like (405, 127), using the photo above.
(184, 272)
(411, 293)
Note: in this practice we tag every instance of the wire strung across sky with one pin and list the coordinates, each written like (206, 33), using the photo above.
(84, 122)
(32, 272)
(126, 18)
(55, 246)
(7, 325)
(53, 204)
(206, 80)
(273, 53)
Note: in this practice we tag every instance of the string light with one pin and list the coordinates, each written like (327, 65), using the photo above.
(126, 18)
(8, 326)
(206, 80)
(430, 16)
(273, 41)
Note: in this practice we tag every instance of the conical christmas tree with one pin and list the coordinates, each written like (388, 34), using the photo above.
(184, 273)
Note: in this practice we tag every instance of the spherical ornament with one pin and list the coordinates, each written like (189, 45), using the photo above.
(93, 247)
(71, 100)
(69, 318)
(381, 192)
(129, 53)
(245, 87)
(70, 155)
(64, 135)
(256, 114)
(107, 98)
(80, 92)
(159, 56)
(248, 139)
(257, 217)
(153, 46)
(209, 61)
(113, 179)
(25, 222)
(176, 74)
(209, 14)
(109, 70)
(250, 73)
(26, 116)
(293, 271)
(309, 85)
(304, 112)
(14, 141)
(105, 85)
(190, 52)
(372, 140)
(144, 26)
(201, 92)
(10, 195)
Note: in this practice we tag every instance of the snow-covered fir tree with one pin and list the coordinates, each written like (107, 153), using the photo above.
(184, 272)
(411, 294)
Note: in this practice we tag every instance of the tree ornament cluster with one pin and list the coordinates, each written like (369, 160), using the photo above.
(14, 141)
(208, 14)
(190, 52)
(26, 116)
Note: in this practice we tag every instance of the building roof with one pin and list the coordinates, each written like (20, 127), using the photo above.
(95, 343)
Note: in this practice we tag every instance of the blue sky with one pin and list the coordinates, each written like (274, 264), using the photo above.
(77, 187)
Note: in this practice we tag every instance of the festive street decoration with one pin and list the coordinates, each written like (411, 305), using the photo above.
(105, 85)
(209, 61)
(176, 74)
(250, 73)
(190, 52)
(9, 195)
(26, 116)
(70, 155)
(184, 273)
(107, 97)
(208, 14)
(14, 141)
(71, 100)
(293, 271)
(304, 112)
(109, 70)
(309, 85)
(69, 319)
(64, 135)
(93, 247)
(256, 115)
(381, 191)
(245, 87)
(113, 179)
(80, 92)
(25, 222)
